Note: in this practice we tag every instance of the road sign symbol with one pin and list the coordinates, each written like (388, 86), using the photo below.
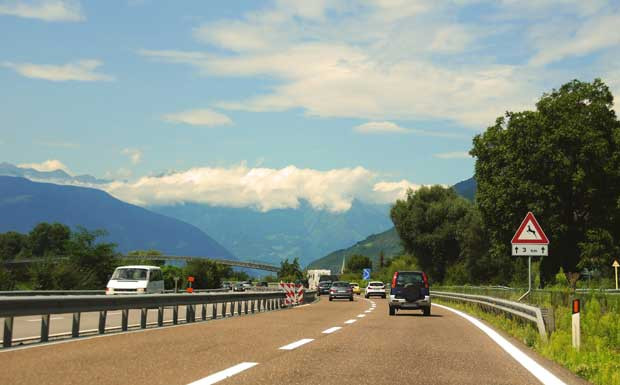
(530, 232)
(366, 274)
(615, 264)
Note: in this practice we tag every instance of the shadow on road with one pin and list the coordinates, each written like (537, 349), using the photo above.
(416, 315)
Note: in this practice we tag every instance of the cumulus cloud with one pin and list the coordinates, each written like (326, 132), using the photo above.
(48, 165)
(48, 10)
(82, 70)
(135, 155)
(453, 155)
(202, 117)
(261, 188)
(379, 128)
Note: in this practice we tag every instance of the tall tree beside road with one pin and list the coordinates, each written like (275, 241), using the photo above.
(562, 162)
(357, 263)
(290, 271)
(207, 274)
(428, 223)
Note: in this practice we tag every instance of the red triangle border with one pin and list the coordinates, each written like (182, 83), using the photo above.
(530, 217)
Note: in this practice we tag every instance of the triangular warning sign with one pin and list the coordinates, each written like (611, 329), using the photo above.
(530, 232)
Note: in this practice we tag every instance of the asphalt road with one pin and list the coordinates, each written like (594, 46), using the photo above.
(312, 344)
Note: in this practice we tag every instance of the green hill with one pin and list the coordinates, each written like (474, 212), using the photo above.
(388, 242)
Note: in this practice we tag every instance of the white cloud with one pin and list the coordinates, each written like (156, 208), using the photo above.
(48, 10)
(120, 174)
(135, 155)
(48, 165)
(202, 117)
(379, 128)
(263, 188)
(453, 155)
(592, 35)
(82, 70)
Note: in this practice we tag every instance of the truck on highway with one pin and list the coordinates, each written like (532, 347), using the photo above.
(314, 277)
(136, 279)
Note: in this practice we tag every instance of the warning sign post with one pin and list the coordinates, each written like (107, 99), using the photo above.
(529, 241)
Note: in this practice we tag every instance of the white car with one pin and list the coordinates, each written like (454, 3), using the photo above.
(375, 288)
(138, 279)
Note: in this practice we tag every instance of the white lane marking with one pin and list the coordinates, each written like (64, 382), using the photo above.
(39, 319)
(331, 330)
(296, 344)
(224, 374)
(350, 321)
(367, 311)
(297, 307)
(361, 315)
(543, 375)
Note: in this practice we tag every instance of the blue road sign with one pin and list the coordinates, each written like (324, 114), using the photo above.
(366, 274)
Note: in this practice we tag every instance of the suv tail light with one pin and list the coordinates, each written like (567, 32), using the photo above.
(394, 279)
(425, 278)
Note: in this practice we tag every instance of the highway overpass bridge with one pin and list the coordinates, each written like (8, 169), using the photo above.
(227, 262)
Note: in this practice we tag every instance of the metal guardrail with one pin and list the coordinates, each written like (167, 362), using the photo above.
(527, 312)
(44, 306)
(15, 293)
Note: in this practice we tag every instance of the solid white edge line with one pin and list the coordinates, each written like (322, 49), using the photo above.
(224, 374)
(350, 321)
(296, 344)
(331, 330)
(542, 374)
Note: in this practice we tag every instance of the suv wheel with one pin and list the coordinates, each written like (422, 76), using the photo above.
(351, 298)
(427, 311)
(330, 298)
(392, 310)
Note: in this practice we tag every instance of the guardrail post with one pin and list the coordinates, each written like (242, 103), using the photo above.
(143, 314)
(252, 303)
(7, 340)
(160, 316)
(75, 327)
(102, 316)
(259, 302)
(45, 327)
(238, 307)
(188, 313)
(124, 319)
(175, 314)
(245, 307)
(214, 311)
(223, 309)
(204, 312)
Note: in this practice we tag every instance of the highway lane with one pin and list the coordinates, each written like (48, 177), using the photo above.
(336, 342)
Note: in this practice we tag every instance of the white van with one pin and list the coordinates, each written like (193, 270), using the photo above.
(137, 279)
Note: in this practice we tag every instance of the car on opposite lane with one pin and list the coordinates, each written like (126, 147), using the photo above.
(410, 291)
(238, 287)
(376, 288)
(341, 289)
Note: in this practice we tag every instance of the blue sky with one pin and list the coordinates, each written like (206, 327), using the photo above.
(265, 103)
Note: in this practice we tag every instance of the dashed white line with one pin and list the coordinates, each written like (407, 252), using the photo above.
(367, 311)
(361, 315)
(350, 321)
(224, 374)
(296, 344)
(532, 366)
(331, 330)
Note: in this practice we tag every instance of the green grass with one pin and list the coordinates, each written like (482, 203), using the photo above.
(598, 360)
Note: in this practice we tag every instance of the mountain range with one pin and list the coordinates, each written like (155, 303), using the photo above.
(55, 176)
(24, 203)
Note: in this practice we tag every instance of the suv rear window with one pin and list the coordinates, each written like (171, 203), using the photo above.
(405, 278)
(375, 284)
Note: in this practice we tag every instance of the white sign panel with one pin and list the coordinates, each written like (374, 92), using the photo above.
(530, 250)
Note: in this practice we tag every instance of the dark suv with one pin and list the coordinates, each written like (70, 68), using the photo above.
(409, 291)
(324, 287)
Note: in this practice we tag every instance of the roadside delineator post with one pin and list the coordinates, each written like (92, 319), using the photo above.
(576, 324)
(190, 279)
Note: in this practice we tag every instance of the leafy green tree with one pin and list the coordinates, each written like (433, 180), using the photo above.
(170, 272)
(11, 245)
(290, 271)
(562, 162)
(207, 274)
(428, 221)
(49, 239)
(357, 263)
(88, 255)
(7, 281)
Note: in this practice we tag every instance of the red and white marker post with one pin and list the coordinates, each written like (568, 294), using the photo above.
(576, 324)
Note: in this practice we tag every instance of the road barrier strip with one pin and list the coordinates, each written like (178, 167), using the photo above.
(294, 293)
(11, 307)
(542, 374)
(526, 312)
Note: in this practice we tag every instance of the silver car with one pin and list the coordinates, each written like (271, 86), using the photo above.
(341, 289)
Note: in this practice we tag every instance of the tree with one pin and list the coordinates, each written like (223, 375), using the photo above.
(290, 271)
(381, 259)
(12, 244)
(562, 162)
(357, 263)
(88, 255)
(427, 222)
(49, 239)
(207, 274)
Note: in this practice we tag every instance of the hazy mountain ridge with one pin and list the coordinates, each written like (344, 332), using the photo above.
(55, 176)
(24, 203)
